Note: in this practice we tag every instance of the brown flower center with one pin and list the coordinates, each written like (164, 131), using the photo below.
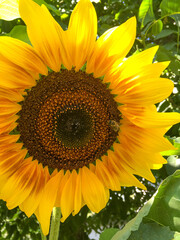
(64, 121)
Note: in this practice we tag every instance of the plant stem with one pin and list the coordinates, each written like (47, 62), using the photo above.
(55, 224)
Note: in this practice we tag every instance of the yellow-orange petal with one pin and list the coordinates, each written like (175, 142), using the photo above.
(20, 184)
(78, 199)
(81, 33)
(43, 31)
(67, 197)
(6, 139)
(106, 176)
(21, 54)
(144, 139)
(11, 94)
(11, 160)
(14, 77)
(30, 204)
(145, 117)
(8, 107)
(123, 171)
(48, 200)
(143, 91)
(93, 191)
(6, 120)
(111, 46)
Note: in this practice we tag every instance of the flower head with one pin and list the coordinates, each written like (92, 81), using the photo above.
(87, 125)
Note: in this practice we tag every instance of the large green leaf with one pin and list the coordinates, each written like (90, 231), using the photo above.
(166, 207)
(108, 233)
(146, 13)
(134, 224)
(169, 7)
(152, 231)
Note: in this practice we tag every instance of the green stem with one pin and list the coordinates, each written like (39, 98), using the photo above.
(155, 21)
(42, 235)
(55, 224)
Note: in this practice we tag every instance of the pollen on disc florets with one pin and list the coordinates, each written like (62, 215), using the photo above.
(64, 121)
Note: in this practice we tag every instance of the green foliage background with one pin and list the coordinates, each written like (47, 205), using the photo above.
(158, 24)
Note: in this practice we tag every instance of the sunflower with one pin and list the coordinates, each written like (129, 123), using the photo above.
(77, 118)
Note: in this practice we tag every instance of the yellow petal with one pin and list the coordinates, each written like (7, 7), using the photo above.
(47, 201)
(21, 183)
(67, 197)
(144, 139)
(122, 76)
(7, 107)
(9, 127)
(6, 120)
(81, 33)
(124, 172)
(112, 45)
(93, 191)
(30, 204)
(10, 94)
(11, 160)
(106, 176)
(78, 200)
(143, 91)
(43, 31)
(21, 54)
(6, 139)
(130, 163)
(14, 77)
(146, 118)
(137, 61)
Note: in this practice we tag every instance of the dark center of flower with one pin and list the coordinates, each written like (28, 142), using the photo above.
(64, 121)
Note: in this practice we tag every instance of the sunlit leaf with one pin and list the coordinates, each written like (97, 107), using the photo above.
(146, 10)
(166, 207)
(157, 27)
(20, 33)
(9, 9)
(173, 164)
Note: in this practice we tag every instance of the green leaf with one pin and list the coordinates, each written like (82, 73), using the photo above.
(9, 10)
(49, 6)
(150, 231)
(20, 33)
(157, 27)
(166, 207)
(169, 7)
(165, 33)
(108, 233)
(134, 224)
(146, 12)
